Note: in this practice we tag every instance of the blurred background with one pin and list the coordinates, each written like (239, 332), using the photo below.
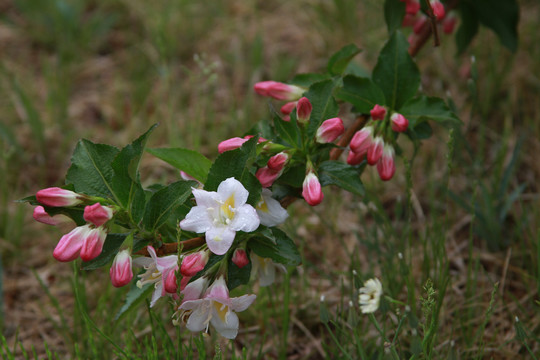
(464, 213)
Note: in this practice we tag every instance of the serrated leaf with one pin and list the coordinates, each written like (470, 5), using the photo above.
(340, 174)
(324, 105)
(280, 248)
(394, 11)
(340, 60)
(134, 297)
(165, 201)
(113, 242)
(396, 73)
(308, 79)
(428, 108)
(90, 171)
(288, 131)
(192, 162)
(236, 164)
(361, 92)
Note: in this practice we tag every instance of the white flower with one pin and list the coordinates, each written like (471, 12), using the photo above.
(370, 296)
(216, 308)
(221, 214)
(270, 210)
(157, 270)
(264, 269)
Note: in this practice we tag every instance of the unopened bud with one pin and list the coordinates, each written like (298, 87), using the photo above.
(311, 189)
(97, 214)
(41, 215)
(329, 130)
(57, 197)
(303, 110)
(278, 90)
(378, 112)
(399, 122)
(240, 258)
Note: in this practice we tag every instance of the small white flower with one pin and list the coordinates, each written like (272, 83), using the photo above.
(221, 214)
(370, 296)
(264, 269)
(270, 210)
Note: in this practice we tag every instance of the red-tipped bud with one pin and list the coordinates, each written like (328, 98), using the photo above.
(329, 130)
(399, 122)
(311, 189)
(420, 23)
(93, 244)
(412, 7)
(362, 140)
(438, 9)
(267, 176)
(231, 144)
(69, 246)
(121, 272)
(278, 91)
(97, 214)
(355, 158)
(449, 23)
(303, 110)
(193, 263)
(386, 166)
(170, 283)
(240, 258)
(378, 112)
(41, 215)
(408, 20)
(288, 108)
(375, 150)
(56, 197)
(278, 161)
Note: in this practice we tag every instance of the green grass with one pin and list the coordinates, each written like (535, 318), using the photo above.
(454, 237)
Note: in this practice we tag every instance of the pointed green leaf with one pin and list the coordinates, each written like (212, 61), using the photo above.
(428, 108)
(189, 161)
(288, 131)
(308, 79)
(396, 73)
(394, 11)
(340, 60)
(361, 92)
(324, 105)
(134, 297)
(340, 174)
(113, 242)
(280, 248)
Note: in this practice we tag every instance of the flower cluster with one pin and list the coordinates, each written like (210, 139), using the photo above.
(419, 21)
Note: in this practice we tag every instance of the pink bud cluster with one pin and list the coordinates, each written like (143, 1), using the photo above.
(235, 143)
(419, 21)
(273, 169)
(285, 92)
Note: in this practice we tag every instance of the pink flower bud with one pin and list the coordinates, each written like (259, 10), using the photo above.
(184, 282)
(362, 140)
(408, 20)
(386, 166)
(231, 144)
(93, 243)
(171, 284)
(419, 24)
(193, 263)
(438, 9)
(311, 189)
(329, 130)
(278, 161)
(97, 214)
(378, 112)
(240, 258)
(449, 23)
(412, 7)
(121, 272)
(184, 175)
(41, 215)
(278, 90)
(288, 108)
(303, 110)
(267, 176)
(56, 197)
(375, 151)
(355, 158)
(399, 122)
(69, 246)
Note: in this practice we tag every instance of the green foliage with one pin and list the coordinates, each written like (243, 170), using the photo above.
(361, 92)
(340, 60)
(324, 105)
(394, 11)
(193, 163)
(134, 298)
(276, 245)
(343, 175)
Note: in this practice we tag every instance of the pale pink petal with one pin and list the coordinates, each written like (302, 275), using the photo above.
(241, 303)
(228, 327)
(219, 239)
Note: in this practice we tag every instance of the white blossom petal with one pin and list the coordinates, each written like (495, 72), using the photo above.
(228, 328)
(245, 219)
(219, 239)
(197, 220)
(233, 187)
(241, 303)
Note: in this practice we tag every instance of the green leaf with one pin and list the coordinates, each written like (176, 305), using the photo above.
(90, 171)
(308, 79)
(394, 11)
(113, 242)
(340, 60)
(468, 28)
(361, 92)
(192, 162)
(324, 105)
(343, 175)
(396, 73)
(134, 297)
(293, 175)
(422, 130)
(501, 16)
(429, 108)
(236, 163)
(237, 276)
(165, 201)
(288, 131)
(278, 247)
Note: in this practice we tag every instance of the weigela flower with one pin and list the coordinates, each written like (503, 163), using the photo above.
(86, 241)
(270, 211)
(41, 215)
(386, 166)
(355, 158)
(399, 122)
(449, 23)
(370, 296)
(362, 140)
(420, 23)
(264, 269)
(157, 271)
(329, 130)
(278, 161)
(216, 308)
(55, 196)
(311, 189)
(193, 263)
(375, 150)
(97, 214)
(378, 112)
(221, 214)
(121, 272)
(412, 7)
(240, 258)
(288, 108)
(303, 110)
(438, 9)
(278, 90)
(235, 143)
(267, 176)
